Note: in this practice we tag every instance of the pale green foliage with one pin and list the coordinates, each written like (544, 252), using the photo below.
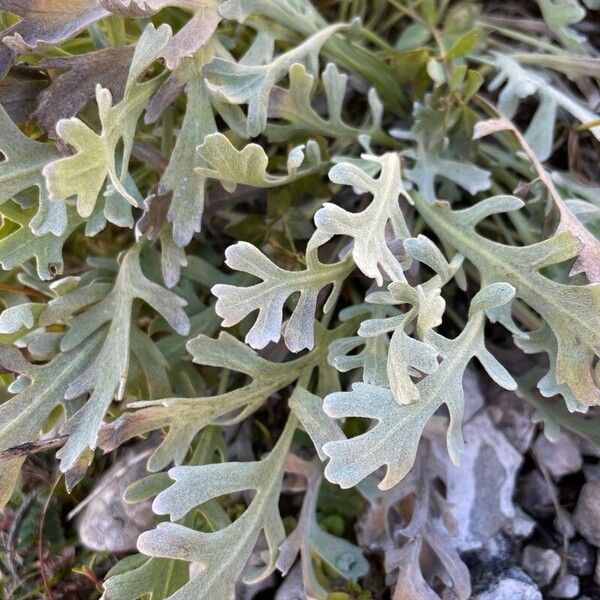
(394, 439)
(293, 105)
(18, 246)
(187, 206)
(406, 355)
(223, 553)
(308, 541)
(431, 160)
(138, 575)
(251, 84)
(309, 409)
(559, 15)
(249, 165)
(269, 296)
(186, 416)
(83, 174)
(588, 259)
(518, 83)
(571, 311)
(21, 169)
(370, 251)
(41, 388)
(107, 373)
(328, 182)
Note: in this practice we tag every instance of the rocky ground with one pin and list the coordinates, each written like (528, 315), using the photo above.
(522, 510)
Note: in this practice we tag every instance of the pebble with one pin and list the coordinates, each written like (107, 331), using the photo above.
(591, 472)
(580, 559)
(521, 526)
(563, 523)
(566, 586)
(515, 585)
(561, 457)
(514, 420)
(108, 523)
(586, 517)
(542, 564)
(534, 496)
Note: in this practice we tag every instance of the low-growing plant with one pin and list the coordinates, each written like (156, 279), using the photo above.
(296, 225)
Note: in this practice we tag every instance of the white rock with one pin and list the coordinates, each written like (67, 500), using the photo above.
(567, 586)
(587, 513)
(521, 526)
(541, 564)
(481, 488)
(511, 589)
(108, 523)
(561, 457)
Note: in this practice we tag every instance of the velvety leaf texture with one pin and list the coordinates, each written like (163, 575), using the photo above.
(317, 267)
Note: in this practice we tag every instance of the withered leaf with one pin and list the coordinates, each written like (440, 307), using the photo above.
(74, 88)
(190, 38)
(19, 92)
(44, 23)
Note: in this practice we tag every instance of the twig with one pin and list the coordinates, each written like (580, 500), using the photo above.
(31, 448)
(6, 287)
(40, 545)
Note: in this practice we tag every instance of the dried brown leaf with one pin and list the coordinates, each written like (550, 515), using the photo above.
(19, 92)
(588, 261)
(74, 88)
(44, 23)
(190, 38)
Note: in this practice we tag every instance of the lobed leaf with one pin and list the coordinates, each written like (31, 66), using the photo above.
(394, 439)
(223, 553)
(107, 374)
(249, 165)
(269, 296)
(251, 84)
(44, 23)
(571, 311)
(371, 249)
(83, 174)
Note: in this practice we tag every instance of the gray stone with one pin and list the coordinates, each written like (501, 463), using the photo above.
(563, 523)
(587, 513)
(513, 418)
(597, 569)
(108, 523)
(566, 586)
(511, 587)
(481, 488)
(561, 457)
(541, 564)
(534, 495)
(521, 526)
(580, 559)
(591, 472)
